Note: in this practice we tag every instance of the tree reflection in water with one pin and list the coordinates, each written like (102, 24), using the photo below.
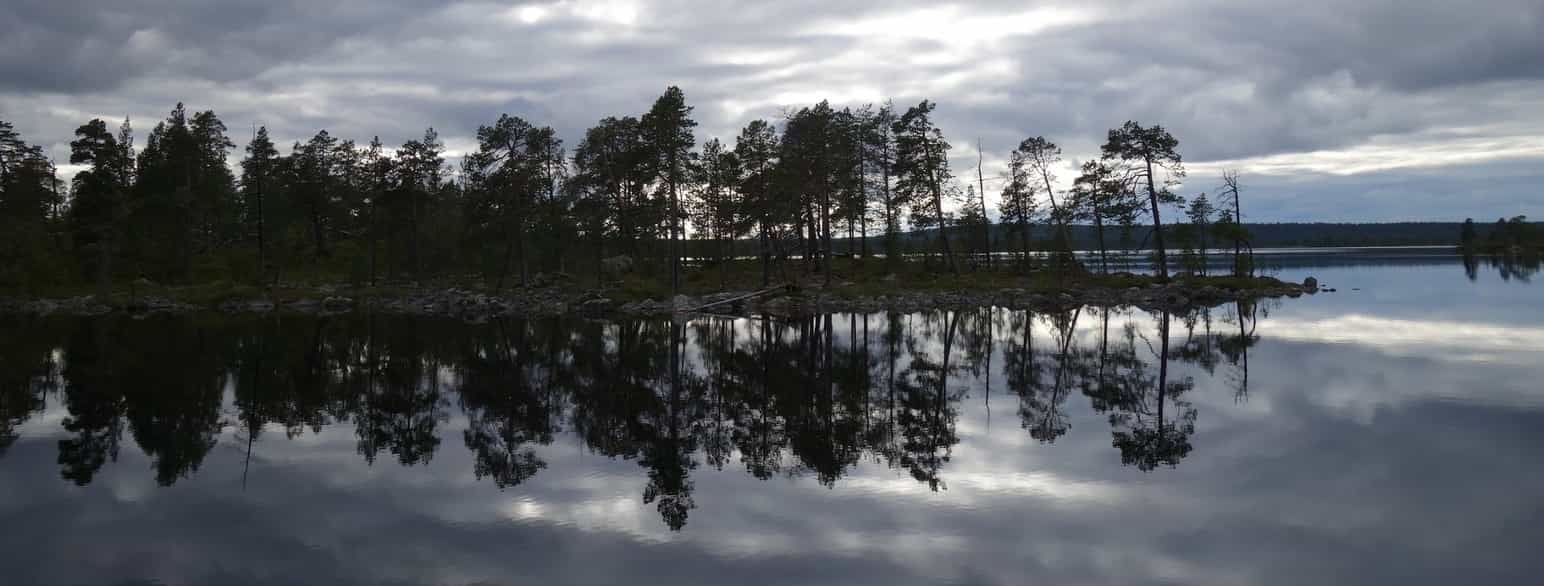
(816, 396)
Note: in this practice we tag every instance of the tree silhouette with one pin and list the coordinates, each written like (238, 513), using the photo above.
(922, 172)
(1139, 403)
(667, 131)
(1152, 150)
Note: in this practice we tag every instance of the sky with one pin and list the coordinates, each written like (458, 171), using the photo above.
(1374, 110)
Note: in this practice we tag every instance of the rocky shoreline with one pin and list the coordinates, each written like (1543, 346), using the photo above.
(473, 306)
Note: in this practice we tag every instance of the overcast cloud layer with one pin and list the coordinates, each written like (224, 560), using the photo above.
(1368, 110)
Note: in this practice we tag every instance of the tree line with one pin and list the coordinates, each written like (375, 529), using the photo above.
(634, 191)
(808, 398)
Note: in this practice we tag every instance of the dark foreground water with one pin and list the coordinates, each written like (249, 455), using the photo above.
(1386, 435)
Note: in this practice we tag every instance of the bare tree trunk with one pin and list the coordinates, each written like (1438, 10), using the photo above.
(1230, 180)
(986, 224)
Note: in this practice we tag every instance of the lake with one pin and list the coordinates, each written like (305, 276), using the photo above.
(1381, 434)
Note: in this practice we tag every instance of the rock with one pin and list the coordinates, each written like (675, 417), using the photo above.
(260, 305)
(151, 303)
(337, 304)
(1311, 284)
(40, 306)
(682, 303)
(305, 305)
(596, 305)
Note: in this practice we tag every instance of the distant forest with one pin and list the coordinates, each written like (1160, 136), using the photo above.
(1296, 234)
(637, 197)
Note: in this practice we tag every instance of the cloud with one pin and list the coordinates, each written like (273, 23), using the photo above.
(1285, 90)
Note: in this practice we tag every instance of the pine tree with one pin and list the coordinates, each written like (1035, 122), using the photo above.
(668, 132)
(1040, 156)
(1018, 208)
(1100, 195)
(1200, 215)
(257, 177)
(922, 171)
(716, 211)
(98, 198)
(757, 151)
(419, 178)
(1152, 150)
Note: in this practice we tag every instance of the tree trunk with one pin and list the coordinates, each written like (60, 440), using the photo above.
(825, 230)
(1104, 259)
(1152, 196)
(262, 247)
(1062, 233)
(891, 246)
(1238, 231)
(371, 229)
(986, 224)
(766, 254)
(413, 217)
(943, 230)
(1024, 240)
(724, 245)
(675, 234)
(525, 256)
(1163, 369)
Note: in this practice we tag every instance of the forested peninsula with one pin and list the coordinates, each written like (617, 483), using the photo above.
(824, 208)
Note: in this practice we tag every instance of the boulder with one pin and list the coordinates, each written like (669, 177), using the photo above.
(40, 306)
(1310, 284)
(151, 303)
(682, 303)
(303, 305)
(337, 303)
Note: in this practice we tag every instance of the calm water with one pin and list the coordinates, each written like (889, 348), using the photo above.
(1386, 435)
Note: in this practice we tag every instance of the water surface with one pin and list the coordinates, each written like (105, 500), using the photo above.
(1382, 434)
